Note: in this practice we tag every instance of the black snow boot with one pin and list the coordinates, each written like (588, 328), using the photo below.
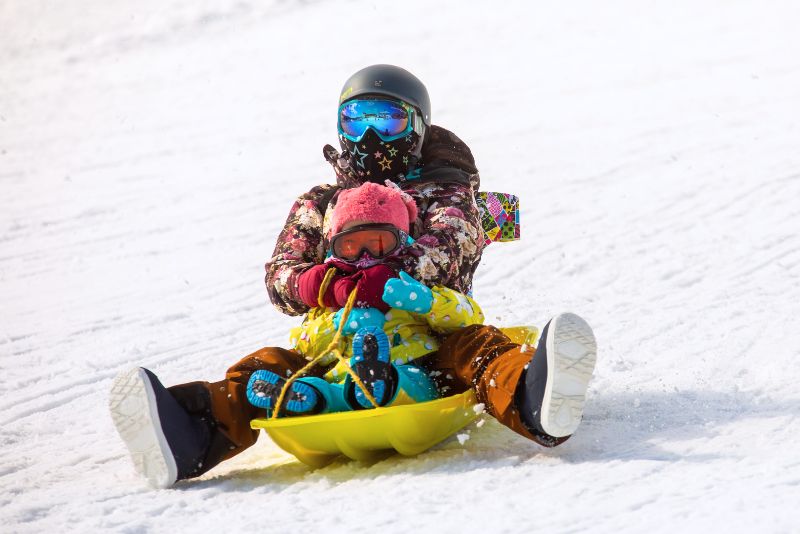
(552, 392)
(165, 442)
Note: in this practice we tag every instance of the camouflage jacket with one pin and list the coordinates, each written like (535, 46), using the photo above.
(448, 233)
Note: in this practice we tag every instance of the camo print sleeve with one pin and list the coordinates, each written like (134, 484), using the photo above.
(448, 233)
(299, 247)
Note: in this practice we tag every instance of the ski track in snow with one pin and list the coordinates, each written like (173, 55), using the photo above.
(150, 152)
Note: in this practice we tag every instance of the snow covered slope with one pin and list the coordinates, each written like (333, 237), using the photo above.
(150, 151)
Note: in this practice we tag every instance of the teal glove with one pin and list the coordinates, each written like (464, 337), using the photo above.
(359, 318)
(407, 294)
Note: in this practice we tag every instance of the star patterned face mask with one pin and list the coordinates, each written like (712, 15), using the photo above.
(371, 159)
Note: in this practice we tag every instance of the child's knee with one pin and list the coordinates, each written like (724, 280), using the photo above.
(274, 359)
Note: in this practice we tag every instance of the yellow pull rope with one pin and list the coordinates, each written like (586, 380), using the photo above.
(326, 281)
(332, 348)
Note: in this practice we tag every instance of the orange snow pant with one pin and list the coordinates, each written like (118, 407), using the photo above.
(478, 357)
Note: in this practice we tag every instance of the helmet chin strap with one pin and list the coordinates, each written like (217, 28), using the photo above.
(417, 152)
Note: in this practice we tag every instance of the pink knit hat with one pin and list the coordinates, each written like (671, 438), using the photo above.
(374, 203)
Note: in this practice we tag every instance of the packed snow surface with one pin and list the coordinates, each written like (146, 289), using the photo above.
(149, 154)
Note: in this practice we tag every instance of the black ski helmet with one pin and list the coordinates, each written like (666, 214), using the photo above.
(390, 81)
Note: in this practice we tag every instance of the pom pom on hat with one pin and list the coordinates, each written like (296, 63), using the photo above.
(374, 203)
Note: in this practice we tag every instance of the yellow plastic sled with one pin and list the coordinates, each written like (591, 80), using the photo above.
(360, 435)
(409, 429)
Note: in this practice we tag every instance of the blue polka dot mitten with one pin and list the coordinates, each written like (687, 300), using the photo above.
(407, 294)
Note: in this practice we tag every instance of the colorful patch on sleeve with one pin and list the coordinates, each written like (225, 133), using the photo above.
(499, 216)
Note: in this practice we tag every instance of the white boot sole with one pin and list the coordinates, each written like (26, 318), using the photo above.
(134, 411)
(571, 356)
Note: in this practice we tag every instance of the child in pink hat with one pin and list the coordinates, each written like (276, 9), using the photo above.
(370, 206)
(373, 203)
(369, 227)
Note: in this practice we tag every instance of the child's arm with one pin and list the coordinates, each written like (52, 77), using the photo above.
(299, 248)
(452, 310)
(445, 310)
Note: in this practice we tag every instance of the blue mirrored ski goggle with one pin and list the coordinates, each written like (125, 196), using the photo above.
(389, 119)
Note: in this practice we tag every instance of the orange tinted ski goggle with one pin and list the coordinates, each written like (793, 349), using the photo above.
(377, 240)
